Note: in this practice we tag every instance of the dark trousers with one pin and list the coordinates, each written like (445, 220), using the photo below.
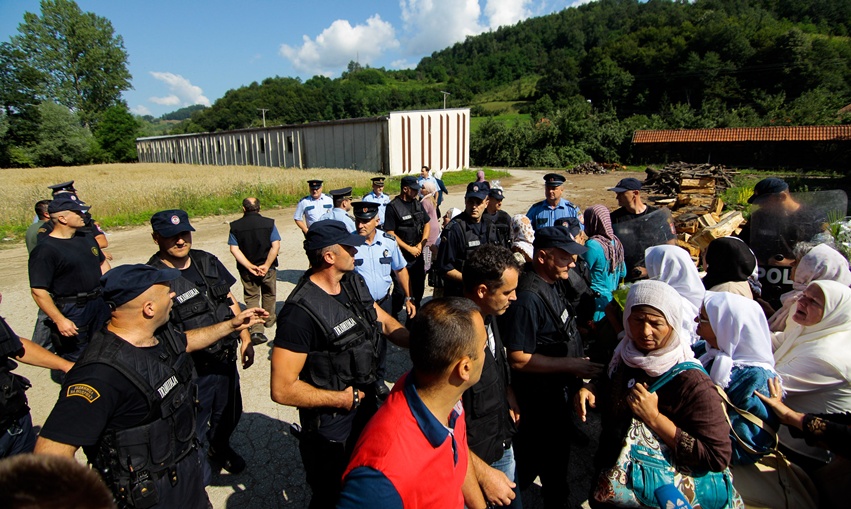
(19, 438)
(221, 408)
(89, 318)
(386, 305)
(416, 279)
(542, 447)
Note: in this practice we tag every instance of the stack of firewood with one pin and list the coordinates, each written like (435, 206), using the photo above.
(588, 168)
(669, 180)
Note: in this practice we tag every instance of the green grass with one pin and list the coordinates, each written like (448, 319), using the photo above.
(476, 122)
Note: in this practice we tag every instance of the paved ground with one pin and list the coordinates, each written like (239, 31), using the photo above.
(274, 478)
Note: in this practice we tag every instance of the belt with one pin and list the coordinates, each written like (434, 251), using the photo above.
(79, 299)
(382, 300)
(506, 444)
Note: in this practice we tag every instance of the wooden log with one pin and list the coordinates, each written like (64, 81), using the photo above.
(717, 205)
(706, 220)
(693, 251)
(723, 229)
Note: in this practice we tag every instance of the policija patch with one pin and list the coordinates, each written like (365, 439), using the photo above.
(84, 391)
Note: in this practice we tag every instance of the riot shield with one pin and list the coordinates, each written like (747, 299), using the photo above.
(775, 227)
(645, 231)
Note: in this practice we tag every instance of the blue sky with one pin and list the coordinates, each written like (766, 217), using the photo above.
(185, 52)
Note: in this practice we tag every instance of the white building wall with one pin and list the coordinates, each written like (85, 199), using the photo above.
(439, 139)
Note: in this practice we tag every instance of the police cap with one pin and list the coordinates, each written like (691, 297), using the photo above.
(126, 282)
(314, 184)
(553, 180)
(411, 182)
(478, 190)
(571, 223)
(64, 187)
(560, 237)
(345, 192)
(329, 232)
(496, 194)
(377, 181)
(364, 210)
(168, 223)
(66, 201)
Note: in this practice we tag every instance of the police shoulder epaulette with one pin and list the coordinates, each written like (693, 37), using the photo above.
(389, 236)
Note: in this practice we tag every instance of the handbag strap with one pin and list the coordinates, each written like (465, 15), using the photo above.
(750, 418)
(674, 371)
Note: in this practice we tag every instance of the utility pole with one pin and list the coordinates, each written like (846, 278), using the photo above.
(263, 110)
(444, 98)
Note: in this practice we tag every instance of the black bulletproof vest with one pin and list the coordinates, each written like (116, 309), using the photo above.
(13, 400)
(409, 226)
(253, 234)
(489, 424)
(199, 307)
(351, 333)
(560, 313)
(130, 457)
(472, 241)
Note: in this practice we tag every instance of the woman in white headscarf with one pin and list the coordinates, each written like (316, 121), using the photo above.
(739, 360)
(813, 356)
(686, 413)
(673, 265)
(821, 262)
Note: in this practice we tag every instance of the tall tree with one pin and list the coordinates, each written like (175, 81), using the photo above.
(84, 61)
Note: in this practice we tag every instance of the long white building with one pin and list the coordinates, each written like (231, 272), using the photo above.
(400, 142)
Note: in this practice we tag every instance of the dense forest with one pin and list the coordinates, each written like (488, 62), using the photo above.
(589, 76)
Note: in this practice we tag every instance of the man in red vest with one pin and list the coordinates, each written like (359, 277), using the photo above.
(413, 453)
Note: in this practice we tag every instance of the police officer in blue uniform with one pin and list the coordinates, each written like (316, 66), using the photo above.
(130, 400)
(375, 261)
(547, 212)
(312, 207)
(377, 195)
(342, 205)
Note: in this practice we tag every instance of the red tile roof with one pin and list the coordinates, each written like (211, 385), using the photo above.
(783, 133)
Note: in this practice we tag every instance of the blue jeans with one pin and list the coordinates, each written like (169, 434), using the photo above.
(508, 466)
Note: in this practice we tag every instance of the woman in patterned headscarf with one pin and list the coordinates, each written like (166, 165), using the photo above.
(605, 257)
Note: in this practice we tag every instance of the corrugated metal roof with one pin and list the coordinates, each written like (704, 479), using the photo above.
(782, 133)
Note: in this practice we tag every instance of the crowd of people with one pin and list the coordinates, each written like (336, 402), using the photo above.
(713, 388)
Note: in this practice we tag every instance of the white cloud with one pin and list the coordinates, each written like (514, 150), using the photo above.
(506, 12)
(436, 24)
(140, 110)
(402, 63)
(183, 92)
(341, 43)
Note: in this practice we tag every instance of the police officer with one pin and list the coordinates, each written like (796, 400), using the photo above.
(129, 401)
(546, 212)
(203, 297)
(254, 242)
(324, 361)
(64, 269)
(375, 261)
(500, 218)
(16, 425)
(406, 220)
(312, 207)
(377, 195)
(342, 206)
(91, 227)
(463, 235)
(546, 355)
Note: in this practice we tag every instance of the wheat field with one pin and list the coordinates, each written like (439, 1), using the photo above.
(122, 194)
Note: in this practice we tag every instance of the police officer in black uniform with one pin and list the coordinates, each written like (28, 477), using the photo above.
(90, 227)
(203, 297)
(466, 232)
(64, 269)
(546, 355)
(406, 220)
(324, 361)
(500, 218)
(16, 424)
(130, 400)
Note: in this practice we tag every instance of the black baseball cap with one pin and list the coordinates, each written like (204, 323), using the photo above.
(627, 184)
(411, 182)
(329, 232)
(66, 201)
(572, 224)
(496, 194)
(553, 180)
(314, 184)
(478, 190)
(560, 237)
(364, 210)
(765, 187)
(377, 181)
(168, 223)
(126, 282)
(64, 187)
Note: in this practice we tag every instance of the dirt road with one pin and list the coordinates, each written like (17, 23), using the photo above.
(274, 477)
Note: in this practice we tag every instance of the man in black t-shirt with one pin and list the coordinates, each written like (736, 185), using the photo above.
(90, 226)
(203, 297)
(628, 192)
(405, 219)
(325, 358)
(129, 400)
(546, 357)
(64, 270)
